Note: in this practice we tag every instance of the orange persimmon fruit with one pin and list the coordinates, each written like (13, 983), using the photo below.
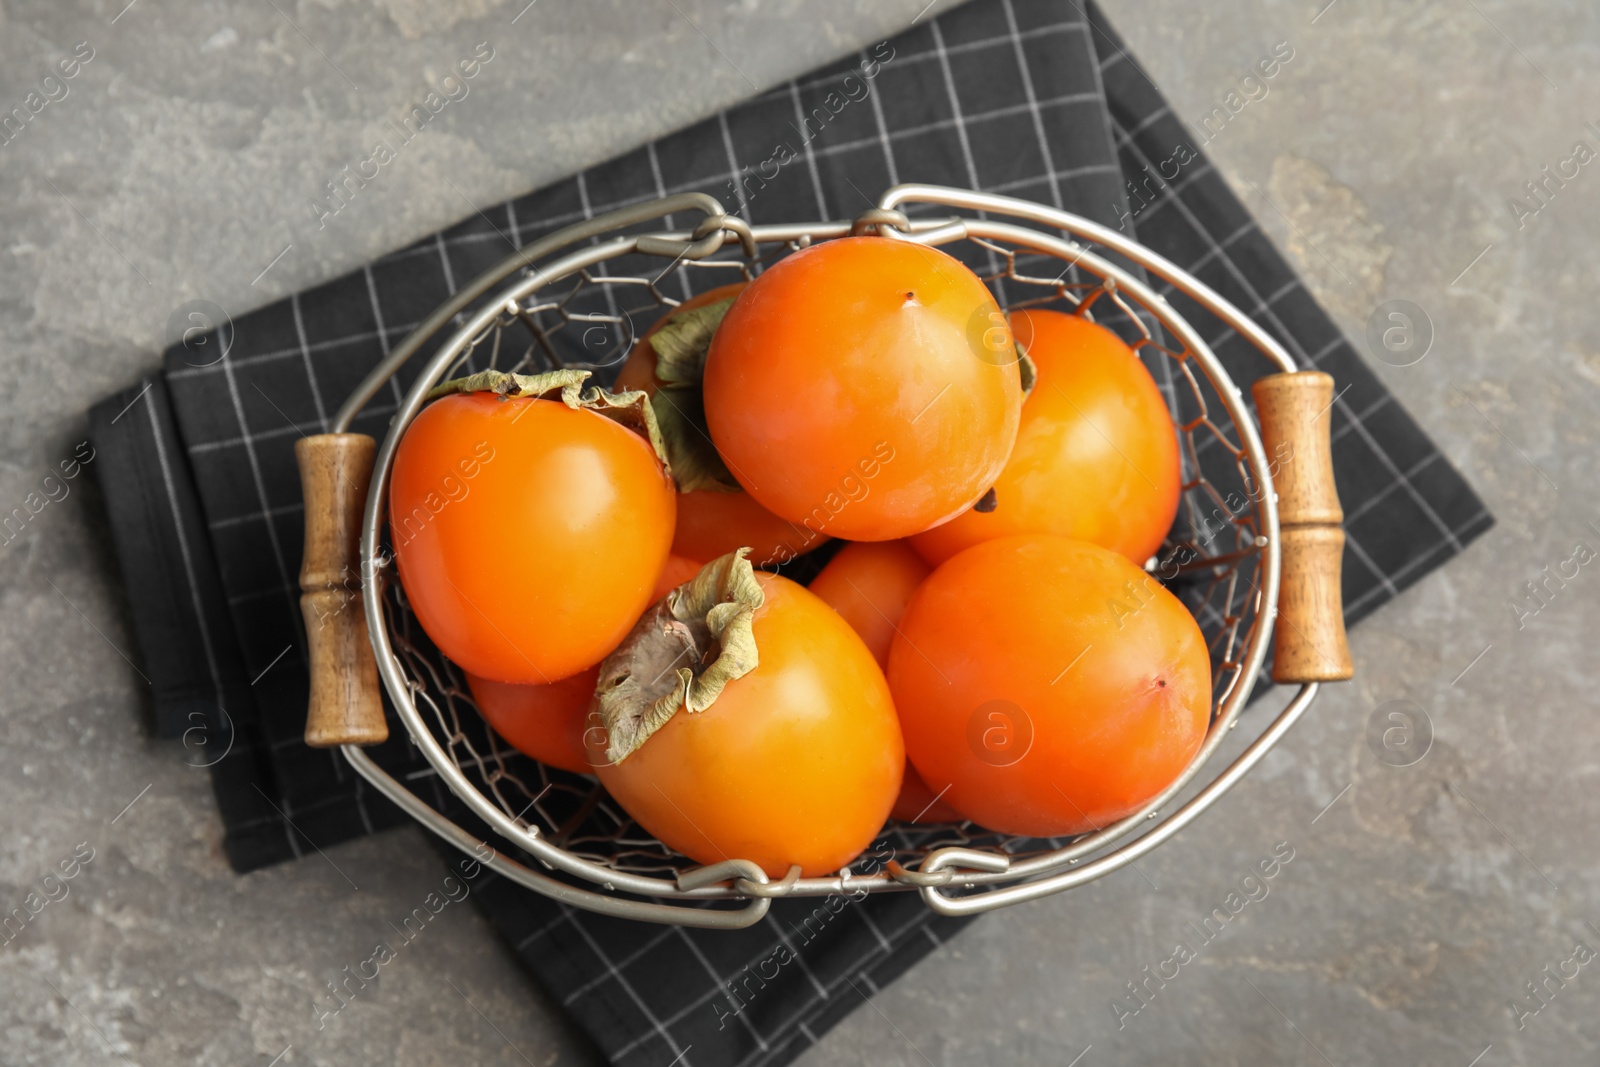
(869, 583)
(528, 534)
(865, 388)
(1096, 457)
(773, 739)
(1055, 685)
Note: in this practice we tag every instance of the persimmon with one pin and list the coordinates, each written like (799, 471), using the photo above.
(529, 532)
(864, 387)
(1096, 456)
(713, 523)
(869, 584)
(678, 569)
(545, 722)
(1055, 685)
(548, 722)
(918, 803)
(715, 515)
(744, 719)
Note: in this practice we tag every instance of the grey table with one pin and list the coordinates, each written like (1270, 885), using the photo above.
(1385, 157)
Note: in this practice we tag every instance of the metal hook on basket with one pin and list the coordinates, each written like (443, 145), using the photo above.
(877, 220)
(920, 879)
(887, 222)
(749, 879)
(973, 860)
(727, 870)
(780, 888)
(741, 229)
(709, 236)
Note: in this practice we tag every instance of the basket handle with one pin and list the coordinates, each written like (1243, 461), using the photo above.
(1296, 417)
(346, 706)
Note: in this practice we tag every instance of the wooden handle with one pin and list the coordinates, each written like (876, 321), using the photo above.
(1296, 416)
(346, 705)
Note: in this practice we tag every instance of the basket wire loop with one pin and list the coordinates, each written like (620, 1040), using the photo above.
(579, 297)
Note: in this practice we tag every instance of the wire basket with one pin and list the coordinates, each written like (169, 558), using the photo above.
(580, 298)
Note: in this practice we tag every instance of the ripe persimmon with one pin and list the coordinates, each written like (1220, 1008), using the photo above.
(920, 804)
(639, 370)
(1096, 456)
(713, 523)
(744, 719)
(528, 533)
(1056, 686)
(678, 569)
(545, 722)
(869, 583)
(864, 387)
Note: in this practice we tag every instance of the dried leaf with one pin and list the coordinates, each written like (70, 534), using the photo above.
(630, 408)
(681, 654)
(680, 344)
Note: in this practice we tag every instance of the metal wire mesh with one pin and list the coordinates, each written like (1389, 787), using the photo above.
(591, 319)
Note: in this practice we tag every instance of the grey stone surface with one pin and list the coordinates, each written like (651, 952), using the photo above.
(1382, 157)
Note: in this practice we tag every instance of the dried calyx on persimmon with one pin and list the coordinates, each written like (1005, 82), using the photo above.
(630, 407)
(790, 757)
(680, 344)
(681, 654)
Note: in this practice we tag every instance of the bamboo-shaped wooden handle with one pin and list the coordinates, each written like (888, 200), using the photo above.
(1296, 415)
(346, 707)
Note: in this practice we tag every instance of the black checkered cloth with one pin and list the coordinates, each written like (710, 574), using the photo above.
(1034, 98)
